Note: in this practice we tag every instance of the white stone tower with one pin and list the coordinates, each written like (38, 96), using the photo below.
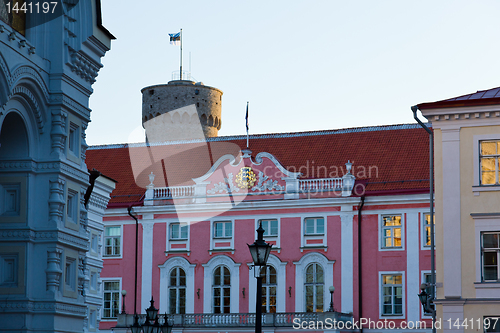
(181, 110)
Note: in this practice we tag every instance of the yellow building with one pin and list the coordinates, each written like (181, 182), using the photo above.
(467, 201)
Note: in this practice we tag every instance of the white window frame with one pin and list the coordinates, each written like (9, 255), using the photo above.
(268, 285)
(381, 234)
(314, 285)
(314, 236)
(315, 233)
(222, 268)
(177, 287)
(120, 297)
(104, 256)
(224, 224)
(424, 232)
(477, 188)
(281, 291)
(208, 273)
(269, 221)
(300, 273)
(165, 270)
(214, 240)
(497, 251)
(495, 157)
(275, 240)
(179, 233)
(381, 295)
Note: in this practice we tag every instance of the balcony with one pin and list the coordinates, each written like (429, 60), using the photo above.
(287, 186)
(241, 320)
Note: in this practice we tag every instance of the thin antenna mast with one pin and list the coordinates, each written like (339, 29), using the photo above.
(181, 56)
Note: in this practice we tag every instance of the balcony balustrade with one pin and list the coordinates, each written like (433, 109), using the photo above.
(223, 320)
(305, 186)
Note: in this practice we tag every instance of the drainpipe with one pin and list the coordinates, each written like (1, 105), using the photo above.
(414, 109)
(136, 242)
(360, 289)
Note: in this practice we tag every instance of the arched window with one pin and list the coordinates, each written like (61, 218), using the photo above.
(222, 290)
(269, 286)
(177, 291)
(314, 286)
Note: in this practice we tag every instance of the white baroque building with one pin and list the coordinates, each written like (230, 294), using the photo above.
(47, 67)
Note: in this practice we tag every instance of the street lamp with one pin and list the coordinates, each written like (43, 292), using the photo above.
(151, 325)
(124, 293)
(260, 252)
(332, 289)
(426, 300)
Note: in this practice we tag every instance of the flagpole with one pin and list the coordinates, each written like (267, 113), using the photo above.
(181, 56)
(247, 124)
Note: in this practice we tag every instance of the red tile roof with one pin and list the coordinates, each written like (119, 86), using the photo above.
(391, 159)
(481, 97)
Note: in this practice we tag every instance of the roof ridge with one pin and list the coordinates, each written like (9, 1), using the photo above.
(265, 136)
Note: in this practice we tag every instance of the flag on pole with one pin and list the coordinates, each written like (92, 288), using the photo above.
(246, 118)
(175, 39)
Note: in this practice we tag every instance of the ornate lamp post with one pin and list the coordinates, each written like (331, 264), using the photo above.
(151, 325)
(426, 300)
(332, 289)
(260, 252)
(124, 293)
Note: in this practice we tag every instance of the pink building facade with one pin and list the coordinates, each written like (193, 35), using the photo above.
(346, 208)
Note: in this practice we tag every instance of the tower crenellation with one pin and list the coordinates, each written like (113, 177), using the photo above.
(175, 111)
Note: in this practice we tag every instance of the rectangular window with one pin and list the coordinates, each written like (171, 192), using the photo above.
(270, 227)
(391, 231)
(427, 229)
(111, 299)
(314, 226)
(10, 199)
(92, 319)
(70, 274)
(392, 295)
(73, 138)
(94, 242)
(112, 240)
(491, 324)
(489, 153)
(72, 206)
(490, 249)
(93, 281)
(178, 231)
(9, 264)
(223, 229)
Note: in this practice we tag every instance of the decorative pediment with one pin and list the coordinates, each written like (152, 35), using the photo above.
(244, 175)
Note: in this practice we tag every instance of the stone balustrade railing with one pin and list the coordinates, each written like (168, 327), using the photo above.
(200, 320)
(320, 184)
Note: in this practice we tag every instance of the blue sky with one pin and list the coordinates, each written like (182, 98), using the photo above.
(302, 65)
